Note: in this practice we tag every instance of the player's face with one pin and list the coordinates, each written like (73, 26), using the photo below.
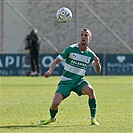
(85, 37)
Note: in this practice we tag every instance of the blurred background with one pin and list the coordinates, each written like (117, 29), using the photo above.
(110, 23)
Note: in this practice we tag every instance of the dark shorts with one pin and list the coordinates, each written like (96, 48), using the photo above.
(66, 87)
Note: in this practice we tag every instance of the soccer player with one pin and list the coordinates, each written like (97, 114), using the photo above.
(77, 57)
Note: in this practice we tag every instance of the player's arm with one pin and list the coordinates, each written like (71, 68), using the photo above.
(52, 67)
(96, 64)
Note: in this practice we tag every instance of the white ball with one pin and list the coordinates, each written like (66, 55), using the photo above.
(64, 15)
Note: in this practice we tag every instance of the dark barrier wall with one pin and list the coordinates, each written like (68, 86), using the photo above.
(46, 61)
(14, 64)
(119, 64)
(19, 64)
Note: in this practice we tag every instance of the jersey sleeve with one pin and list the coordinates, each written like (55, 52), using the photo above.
(63, 55)
(93, 55)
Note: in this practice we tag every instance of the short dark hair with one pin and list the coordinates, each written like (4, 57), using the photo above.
(86, 29)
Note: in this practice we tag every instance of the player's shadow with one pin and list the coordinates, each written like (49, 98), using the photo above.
(35, 126)
(21, 126)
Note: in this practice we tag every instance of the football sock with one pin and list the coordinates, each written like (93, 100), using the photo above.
(92, 105)
(53, 113)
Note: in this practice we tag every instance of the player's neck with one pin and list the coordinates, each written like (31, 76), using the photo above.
(83, 47)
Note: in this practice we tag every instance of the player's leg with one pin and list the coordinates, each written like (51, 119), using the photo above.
(36, 57)
(62, 91)
(32, 63)
(53, 109)
(88, 90)
(56, 101)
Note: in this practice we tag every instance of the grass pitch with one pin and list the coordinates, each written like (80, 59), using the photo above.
(26, 100)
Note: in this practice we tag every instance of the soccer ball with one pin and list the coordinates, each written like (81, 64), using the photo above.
(64, 15)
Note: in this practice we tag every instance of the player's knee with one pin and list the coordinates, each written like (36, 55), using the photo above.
(91, 93)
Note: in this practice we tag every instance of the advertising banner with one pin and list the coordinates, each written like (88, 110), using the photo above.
(19, 64)
(119, 64)
(46, 61)
(14, 64)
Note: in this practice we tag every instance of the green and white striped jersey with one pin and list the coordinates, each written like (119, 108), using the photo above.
(76, 62)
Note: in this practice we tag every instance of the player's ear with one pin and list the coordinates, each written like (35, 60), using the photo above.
(90, 38)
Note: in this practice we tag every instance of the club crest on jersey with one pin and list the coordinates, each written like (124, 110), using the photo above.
(87, 60)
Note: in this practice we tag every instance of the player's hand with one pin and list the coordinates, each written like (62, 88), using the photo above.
(96, 59)
(97, 65)
(47, 74)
